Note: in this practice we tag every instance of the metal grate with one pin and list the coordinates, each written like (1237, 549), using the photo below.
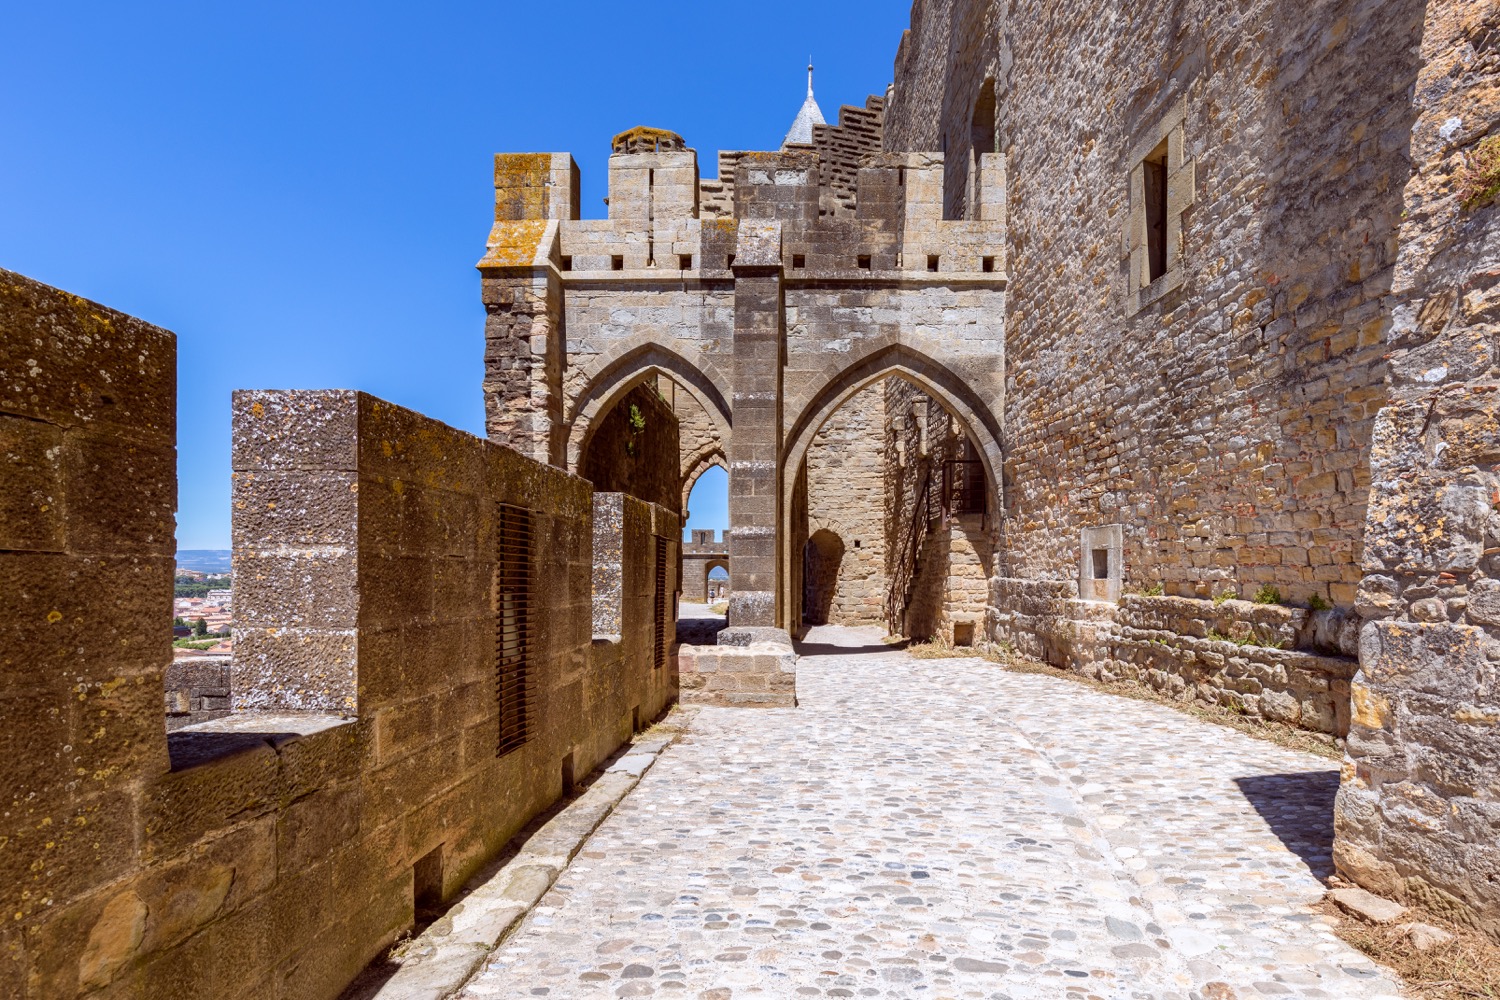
(660, 606)
(515, 686)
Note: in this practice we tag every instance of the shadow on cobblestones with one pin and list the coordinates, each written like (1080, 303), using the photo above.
(1298, 807)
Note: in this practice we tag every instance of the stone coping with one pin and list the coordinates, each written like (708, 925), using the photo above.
(204, 742)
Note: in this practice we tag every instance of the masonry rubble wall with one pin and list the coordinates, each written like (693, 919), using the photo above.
(1418, 812)
(272, 852)
(1222, 415)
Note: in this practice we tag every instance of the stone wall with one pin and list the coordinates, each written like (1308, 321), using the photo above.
(846, 515)
(634, 450)
(272, 852)
(1225, 423)
(940, 560)
(197, 690)
(88, 414)
(1418, 813)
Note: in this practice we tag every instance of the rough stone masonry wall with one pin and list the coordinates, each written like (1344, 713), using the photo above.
(237, 858)
(1418, 813)
(845, 515)
(1226, 424)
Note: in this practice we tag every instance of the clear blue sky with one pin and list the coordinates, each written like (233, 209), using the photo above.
(300, 190)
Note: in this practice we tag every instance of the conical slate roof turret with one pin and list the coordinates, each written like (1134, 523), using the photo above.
(810, 115)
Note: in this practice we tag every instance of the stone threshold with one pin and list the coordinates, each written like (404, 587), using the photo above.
(438, 963)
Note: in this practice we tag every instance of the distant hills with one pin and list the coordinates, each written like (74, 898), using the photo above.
(204, 560)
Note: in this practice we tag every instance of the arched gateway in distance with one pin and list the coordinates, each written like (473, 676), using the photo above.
(757, 303)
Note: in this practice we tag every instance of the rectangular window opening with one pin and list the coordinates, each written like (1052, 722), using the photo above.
(963, 633)
(864, 261)
(685, 262)
(617, 263)
(901, 177)
(1155, 168)
(427, 886)
(569, 783)
(988, 265)
(514, 627)
(798, 261)
(661, 605)
(932, 262)
(567, 263)
(1101, 564)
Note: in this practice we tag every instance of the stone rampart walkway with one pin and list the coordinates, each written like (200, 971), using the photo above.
(945, 829)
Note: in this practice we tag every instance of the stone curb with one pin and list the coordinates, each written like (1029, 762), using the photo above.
(440, 961)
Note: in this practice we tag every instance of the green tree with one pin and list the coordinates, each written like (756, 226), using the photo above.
(178, 622)
(200, 627)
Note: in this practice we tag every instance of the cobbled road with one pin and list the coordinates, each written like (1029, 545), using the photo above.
(947, 829)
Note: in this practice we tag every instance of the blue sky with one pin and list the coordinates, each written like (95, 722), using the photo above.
(300, 190)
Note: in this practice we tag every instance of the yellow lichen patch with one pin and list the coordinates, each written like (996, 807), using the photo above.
(257, 409)
(53, 617)
(1477, 716)
(514, 244)
(1370, 709)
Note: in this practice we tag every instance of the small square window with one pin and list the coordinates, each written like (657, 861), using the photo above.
(932, 262)
(567, 263)
(617, 263)
(685, 262)
(799, 261)
(864, 261)
(988, 265)
(1101, 564)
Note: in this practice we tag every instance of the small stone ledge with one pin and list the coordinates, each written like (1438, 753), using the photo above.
(206, 742)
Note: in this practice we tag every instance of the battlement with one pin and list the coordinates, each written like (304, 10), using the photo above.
(665, 222)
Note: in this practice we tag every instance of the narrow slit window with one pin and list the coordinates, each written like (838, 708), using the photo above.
(988, 265)
(729, 261)
(798, 261)
(1101, 564)
(685, 262)
(1155, 169)
(567, 263)
(514, 627)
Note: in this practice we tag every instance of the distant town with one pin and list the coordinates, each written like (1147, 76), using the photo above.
(202, 604)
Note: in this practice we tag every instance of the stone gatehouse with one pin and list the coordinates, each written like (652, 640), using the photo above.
(1154, 341)
(1197, 296)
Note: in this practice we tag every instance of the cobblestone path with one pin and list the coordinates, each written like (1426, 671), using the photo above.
(945, 829)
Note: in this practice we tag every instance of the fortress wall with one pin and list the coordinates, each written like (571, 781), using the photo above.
(1226, 422)
(1418, 813)
(275, 851)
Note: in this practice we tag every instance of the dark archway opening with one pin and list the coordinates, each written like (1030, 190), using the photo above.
(821, 558)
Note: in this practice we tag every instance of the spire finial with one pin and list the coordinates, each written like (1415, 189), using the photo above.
(809, 76)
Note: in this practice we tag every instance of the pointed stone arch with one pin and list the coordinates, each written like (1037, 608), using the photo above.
(932, 377)
(614, 376)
